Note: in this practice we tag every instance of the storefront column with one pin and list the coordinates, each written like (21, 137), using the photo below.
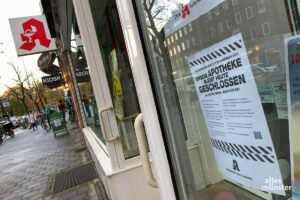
(65, 67)
(76, 92)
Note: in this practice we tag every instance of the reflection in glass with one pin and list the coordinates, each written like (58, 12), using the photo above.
(87, 95)
(118, 71)
(182, 117)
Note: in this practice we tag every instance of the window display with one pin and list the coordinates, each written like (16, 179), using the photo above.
(221, 90)
(118, 72)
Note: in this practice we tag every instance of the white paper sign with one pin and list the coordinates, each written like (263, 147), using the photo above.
(234, 115)
(31, 35)
(280, 96)
(265, 92)
(78, 40)
(57, 122)
(187, 13)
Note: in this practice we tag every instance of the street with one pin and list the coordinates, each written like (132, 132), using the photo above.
(29, 161)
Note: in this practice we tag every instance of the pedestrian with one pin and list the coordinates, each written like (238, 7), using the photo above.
(86, 102)
(71, 110)
(61, 108)
(48, 112)
(32, 120)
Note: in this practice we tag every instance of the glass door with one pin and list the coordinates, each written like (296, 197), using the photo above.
(210, 130)
(108, 58)
(114, 53)
(117, 81)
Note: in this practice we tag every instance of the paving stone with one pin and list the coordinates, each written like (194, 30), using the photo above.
(13, 197)
(29, 159)
(83, 190)
(69, 195)
(79, 197)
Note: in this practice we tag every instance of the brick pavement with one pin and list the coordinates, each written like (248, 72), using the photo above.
(31, 159)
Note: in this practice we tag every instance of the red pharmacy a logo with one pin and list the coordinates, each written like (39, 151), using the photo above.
(33, 30)
(185, 10)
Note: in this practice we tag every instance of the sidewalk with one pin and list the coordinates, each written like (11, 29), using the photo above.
(33, 160)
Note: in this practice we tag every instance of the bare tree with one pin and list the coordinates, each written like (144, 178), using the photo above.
(40, 92)
(19, 90)
(157, 17)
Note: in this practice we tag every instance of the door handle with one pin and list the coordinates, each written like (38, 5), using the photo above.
(102, 124)
(140, 135)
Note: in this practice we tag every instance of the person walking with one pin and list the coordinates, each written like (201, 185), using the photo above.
(32, 120)
(71, 110)
(86, 102)
(61, 108)
(47, 113)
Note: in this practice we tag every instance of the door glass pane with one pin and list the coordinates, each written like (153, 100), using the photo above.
(118, 72)
(88, 100)
(89, 111)
(199, 113)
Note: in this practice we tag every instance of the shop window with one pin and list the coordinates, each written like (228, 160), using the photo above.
(273, 57)
(238, 18)
(118, 72)
(234, 2)
(185, 30)
(183, 46)
(177, 64)
(267, 62)
(190, 27)
(212, 31)
(178, 48)
(261, 6)
(253, 33)
(266, 29)
(228, 24)
(217, 11)
(87, 96)
(225, 5)
(208, 16)
(193, 41)
(188, 45)
(220, 27)
(249, 12)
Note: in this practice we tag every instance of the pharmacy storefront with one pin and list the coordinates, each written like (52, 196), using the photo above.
(193, 99)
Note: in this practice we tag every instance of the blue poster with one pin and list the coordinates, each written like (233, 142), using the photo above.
(293, 82)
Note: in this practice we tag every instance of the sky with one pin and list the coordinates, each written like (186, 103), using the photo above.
(15, 9)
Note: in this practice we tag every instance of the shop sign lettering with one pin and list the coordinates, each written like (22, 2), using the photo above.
(51, 79)
(233, 113)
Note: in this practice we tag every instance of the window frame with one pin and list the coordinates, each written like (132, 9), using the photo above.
(263, 30)
(236, 19)
(246, 11)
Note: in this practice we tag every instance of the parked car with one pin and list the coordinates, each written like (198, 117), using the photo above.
(13, 120)
(265, 69)
(22, 122)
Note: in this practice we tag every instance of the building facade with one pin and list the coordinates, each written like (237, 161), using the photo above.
(188, 99)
